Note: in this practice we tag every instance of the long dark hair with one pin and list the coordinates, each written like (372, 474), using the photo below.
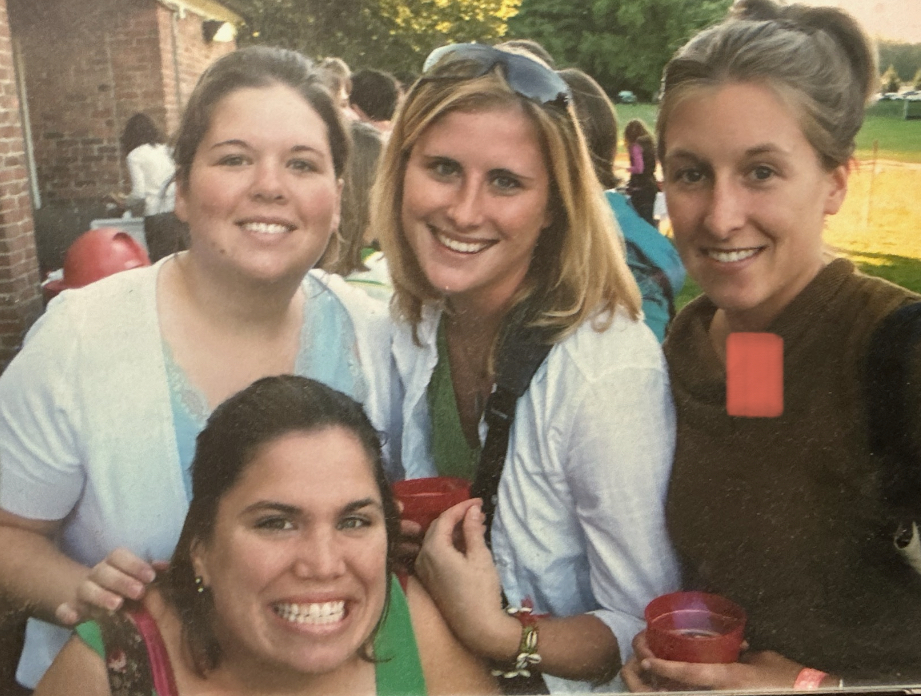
(139, 130)
(268, 409)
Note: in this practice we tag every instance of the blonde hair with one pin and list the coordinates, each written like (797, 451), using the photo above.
(578, 271)
(817, 60)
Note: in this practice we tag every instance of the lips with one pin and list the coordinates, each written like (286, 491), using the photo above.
(314, 614)
(732, 255)
(461, 247)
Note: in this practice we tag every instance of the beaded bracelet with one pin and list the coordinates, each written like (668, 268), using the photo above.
(527, 648)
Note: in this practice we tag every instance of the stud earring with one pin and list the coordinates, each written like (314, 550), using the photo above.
(199, 584)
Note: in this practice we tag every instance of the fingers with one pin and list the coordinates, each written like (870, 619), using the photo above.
(687, 673)
(632, 675)
(442, 528)
(410, 531)
(67, 614)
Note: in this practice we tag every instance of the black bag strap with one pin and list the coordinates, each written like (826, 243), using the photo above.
(521, 353)
(889, 381)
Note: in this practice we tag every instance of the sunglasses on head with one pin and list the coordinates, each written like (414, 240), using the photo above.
(527, 77)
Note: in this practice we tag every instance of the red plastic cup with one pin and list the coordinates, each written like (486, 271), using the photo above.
(695, 627)
(424, 499)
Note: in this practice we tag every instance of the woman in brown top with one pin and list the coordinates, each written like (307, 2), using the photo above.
(785, 515)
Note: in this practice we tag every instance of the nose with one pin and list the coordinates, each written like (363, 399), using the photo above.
(465, 210)
(726, 210)
(319, 556)
(267, 182)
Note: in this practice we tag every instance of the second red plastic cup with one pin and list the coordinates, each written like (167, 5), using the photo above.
(695, 627)
(424, 499)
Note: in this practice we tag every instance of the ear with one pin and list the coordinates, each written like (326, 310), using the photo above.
(837, 190)
(198, 556)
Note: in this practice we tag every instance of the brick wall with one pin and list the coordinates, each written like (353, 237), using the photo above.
(190, 52)
(89, 66)
(20, 302)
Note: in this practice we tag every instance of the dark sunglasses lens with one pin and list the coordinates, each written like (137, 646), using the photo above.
(536, 82)
(528, 78)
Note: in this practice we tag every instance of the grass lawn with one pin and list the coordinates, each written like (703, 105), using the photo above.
(879, 226)
(897, 138)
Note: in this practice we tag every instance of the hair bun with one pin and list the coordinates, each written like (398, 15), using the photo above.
(757, 10)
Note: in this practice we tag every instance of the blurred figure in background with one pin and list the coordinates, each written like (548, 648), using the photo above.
(150, 165)
(336, 75)
(652, 258)
(354, 252)
(642, 186)
(374, 98)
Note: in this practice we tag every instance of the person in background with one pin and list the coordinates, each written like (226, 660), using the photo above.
(642, 186)
(100, 409)
(785, 515)
(491, 219)
(283, 576)
(150, 166)
(355, 252)
(374, 97)
(652, 258)
(337, 77)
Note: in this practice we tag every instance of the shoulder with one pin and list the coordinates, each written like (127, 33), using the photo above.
(76, 663)
(359, 305)
(598, 353)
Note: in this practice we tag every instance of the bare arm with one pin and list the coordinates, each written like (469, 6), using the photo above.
(449, 668)
(466, 588)
(53, 587)
(33, 571)
(76, 670)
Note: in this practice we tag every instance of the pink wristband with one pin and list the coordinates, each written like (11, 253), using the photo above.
(808, 679)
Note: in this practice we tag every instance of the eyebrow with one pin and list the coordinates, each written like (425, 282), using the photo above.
(242, 143)
(262, 505)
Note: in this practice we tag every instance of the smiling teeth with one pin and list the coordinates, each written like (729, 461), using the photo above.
(731, 256)
(265, 227)
(461, 247)
(325, 613)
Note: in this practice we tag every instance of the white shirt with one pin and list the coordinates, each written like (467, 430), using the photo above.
(151, 168)
(579, 525)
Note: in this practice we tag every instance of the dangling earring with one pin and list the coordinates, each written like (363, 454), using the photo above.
(200, 584)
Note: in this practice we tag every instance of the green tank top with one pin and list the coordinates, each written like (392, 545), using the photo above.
(452, 454)
(398, 671)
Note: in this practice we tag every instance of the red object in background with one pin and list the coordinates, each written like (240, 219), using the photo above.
(95, 255)
(695, 627)
(424, 499)
(754, 375)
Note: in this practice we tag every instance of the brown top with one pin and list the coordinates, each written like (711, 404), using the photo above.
(784, 515)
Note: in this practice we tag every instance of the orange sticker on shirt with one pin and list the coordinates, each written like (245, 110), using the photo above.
(754, 375)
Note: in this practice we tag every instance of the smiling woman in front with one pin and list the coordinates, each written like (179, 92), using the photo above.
(281, 581)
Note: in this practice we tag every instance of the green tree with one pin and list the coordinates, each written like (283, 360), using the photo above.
(904, 57)
(624, 44)
(393, 35)
(889, 81)
(916, 80)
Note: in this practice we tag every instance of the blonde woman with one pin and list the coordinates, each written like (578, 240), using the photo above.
(491, 217)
